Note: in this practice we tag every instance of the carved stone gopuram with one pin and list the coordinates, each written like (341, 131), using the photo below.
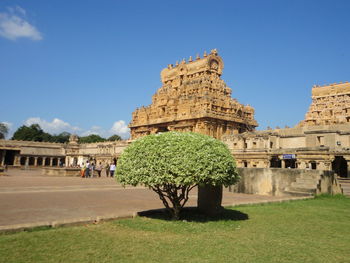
(330, 105)
(194, 98)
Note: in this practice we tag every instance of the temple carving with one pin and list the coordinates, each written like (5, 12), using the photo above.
(330, 105)
(193, 97)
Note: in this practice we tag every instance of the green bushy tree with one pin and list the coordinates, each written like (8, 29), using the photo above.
(31, 133)
(63, 137)
(173, 163)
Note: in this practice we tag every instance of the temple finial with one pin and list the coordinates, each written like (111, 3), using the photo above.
(205, 54)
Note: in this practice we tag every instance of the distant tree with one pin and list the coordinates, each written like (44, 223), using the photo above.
(173, 163)
(91, 138)
(31, 133)
(114, 137)
(63, 137)
(3, 130)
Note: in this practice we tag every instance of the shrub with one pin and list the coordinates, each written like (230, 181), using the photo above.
(173, 163)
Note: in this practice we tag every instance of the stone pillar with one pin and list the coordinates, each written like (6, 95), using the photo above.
(209, 199)
(302, 165)
(51, 160)
(67, 162)
(3, 158)
(327, 166)
(35, 161)
(44, 161)
(58, 162)
(27, 162)
(348, 162)
(283, 164)
(16, 160)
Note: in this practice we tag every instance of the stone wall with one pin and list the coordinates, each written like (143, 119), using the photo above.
(52, 171)
(280, 182)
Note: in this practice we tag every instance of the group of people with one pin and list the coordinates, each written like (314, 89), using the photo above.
(88, 169)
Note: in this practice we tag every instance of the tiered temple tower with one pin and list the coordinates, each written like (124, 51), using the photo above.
(330, 105)
(193, 97)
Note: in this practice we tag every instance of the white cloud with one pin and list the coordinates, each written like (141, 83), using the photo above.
(56, 126)
(94, 130)
(14, 25)
(120, 128)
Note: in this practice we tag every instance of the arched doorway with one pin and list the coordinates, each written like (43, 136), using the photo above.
(47, 161)
(340, 166)
(40, 161)
(31, 161)
(23, 160)
(54, 162)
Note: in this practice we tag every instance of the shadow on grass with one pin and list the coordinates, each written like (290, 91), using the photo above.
(192, 214)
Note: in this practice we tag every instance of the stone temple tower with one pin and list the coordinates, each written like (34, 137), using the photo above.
(193, 97)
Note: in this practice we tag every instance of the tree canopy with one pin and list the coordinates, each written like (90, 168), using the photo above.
(35, 133)
(114, 137)
(91, 138)
(173, 163)
(3, 130)
(31, 133)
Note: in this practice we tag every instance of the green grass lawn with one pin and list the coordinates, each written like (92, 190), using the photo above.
(316, 230)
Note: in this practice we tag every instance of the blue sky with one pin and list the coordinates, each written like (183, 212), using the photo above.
(84, 66)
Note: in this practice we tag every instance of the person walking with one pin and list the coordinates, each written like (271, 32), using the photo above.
(112, 169)
(82, 170)
(107, 170)
(87, 169)
(92, 168)
(99, 169)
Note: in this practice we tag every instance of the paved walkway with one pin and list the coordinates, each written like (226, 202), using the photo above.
(28, 199)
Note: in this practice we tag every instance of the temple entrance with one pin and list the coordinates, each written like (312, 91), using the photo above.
(340, 166)
(313, 165)
(10, 157)
(275, 162)
(162, 129)
(31, 161)
(290, 163)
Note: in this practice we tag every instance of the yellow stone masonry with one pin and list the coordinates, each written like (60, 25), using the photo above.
(330, 105)
(193, 97)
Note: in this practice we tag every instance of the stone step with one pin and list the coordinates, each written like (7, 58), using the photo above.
(301, 185)
(297, 193)
(301, 189)
(304, 176)
(307, 181)
(345, 185)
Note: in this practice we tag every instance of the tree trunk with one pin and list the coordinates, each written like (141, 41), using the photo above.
(209, 199)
